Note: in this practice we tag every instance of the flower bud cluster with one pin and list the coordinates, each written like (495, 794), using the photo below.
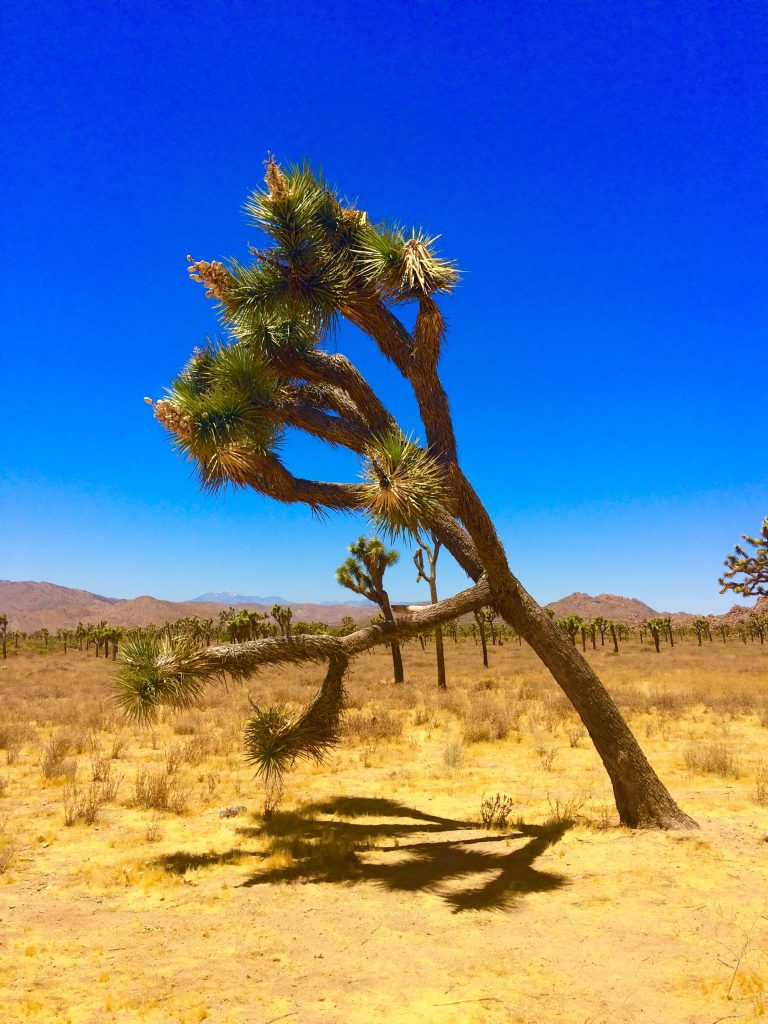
(172, 418)
(214, 276)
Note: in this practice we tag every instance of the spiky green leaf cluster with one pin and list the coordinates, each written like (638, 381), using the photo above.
(218, 410)
(157, 671)
(363, 571)
(402, 266)
(276, 738)
(325, 255)
(404, 486)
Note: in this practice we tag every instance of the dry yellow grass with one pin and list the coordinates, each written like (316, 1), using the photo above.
(374, 893)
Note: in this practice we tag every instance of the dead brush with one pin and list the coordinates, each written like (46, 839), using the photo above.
(53, 761)
(486, 720)
(453, 755)
(159, 791)
(566, 812)
(196, 750)
(372, 727)
(7, 848)
(495, 810)
(118, 746)
(712, 759)
(186, 725)
(81, 805)
(761, 785)
(576, 735)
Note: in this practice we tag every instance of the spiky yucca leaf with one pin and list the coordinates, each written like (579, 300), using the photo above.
(404, 485)
(404, 267)
(275, 739)
(220, 413)
(270, 336)
(158, 671)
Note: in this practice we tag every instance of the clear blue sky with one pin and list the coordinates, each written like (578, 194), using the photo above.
(599, 172)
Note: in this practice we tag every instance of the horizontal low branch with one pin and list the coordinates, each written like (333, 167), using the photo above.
(242, 659)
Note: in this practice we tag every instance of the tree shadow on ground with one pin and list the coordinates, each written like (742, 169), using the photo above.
(356, 840)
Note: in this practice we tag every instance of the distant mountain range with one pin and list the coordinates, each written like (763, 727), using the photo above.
(227, 597)
(31, 606)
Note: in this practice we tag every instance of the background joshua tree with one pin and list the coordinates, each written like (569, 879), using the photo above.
(282, 617)
(363, 573)
(601, 624)
(228, 409)
(431, 578)
(571, 624)
(657, 628)
(753, 568)
(701, 626)
(481, 620)
(3, 634)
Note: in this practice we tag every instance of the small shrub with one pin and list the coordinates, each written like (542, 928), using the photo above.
(547, 756)
(453, 755)
(712, 758)
(52, 763)
(196, 750)
(154, 833)
(761, 786)
(486, 720)
(157, 790)
(81, 805)
(422, 715)
(576, 735)
(7, 848)
(173, 758)
(4, 786)
(379, 725)
(185, 725)
(565, 812)
(12, 752)
(118, 746)
(487, 683)
(495, 811)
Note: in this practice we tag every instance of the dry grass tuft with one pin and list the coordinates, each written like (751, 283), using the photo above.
(712, 758)
(158, 790)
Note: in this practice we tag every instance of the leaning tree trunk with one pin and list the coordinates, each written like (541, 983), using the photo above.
(642, 799)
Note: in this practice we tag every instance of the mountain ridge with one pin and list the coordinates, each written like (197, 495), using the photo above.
(32, 605)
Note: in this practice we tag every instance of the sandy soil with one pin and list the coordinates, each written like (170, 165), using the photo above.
(372, 894)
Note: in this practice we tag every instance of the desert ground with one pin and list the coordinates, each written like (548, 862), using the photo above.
(374, 891)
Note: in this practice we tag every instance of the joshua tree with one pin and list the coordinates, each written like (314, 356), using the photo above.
(3, 634)
(571, 624)
(431, 578)
(481, 620)
(601, 624)
(363, 573)
(282, 617)
(614, 637)
(656, 627)
(229, 407)
(753, 568)
(701, 625)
